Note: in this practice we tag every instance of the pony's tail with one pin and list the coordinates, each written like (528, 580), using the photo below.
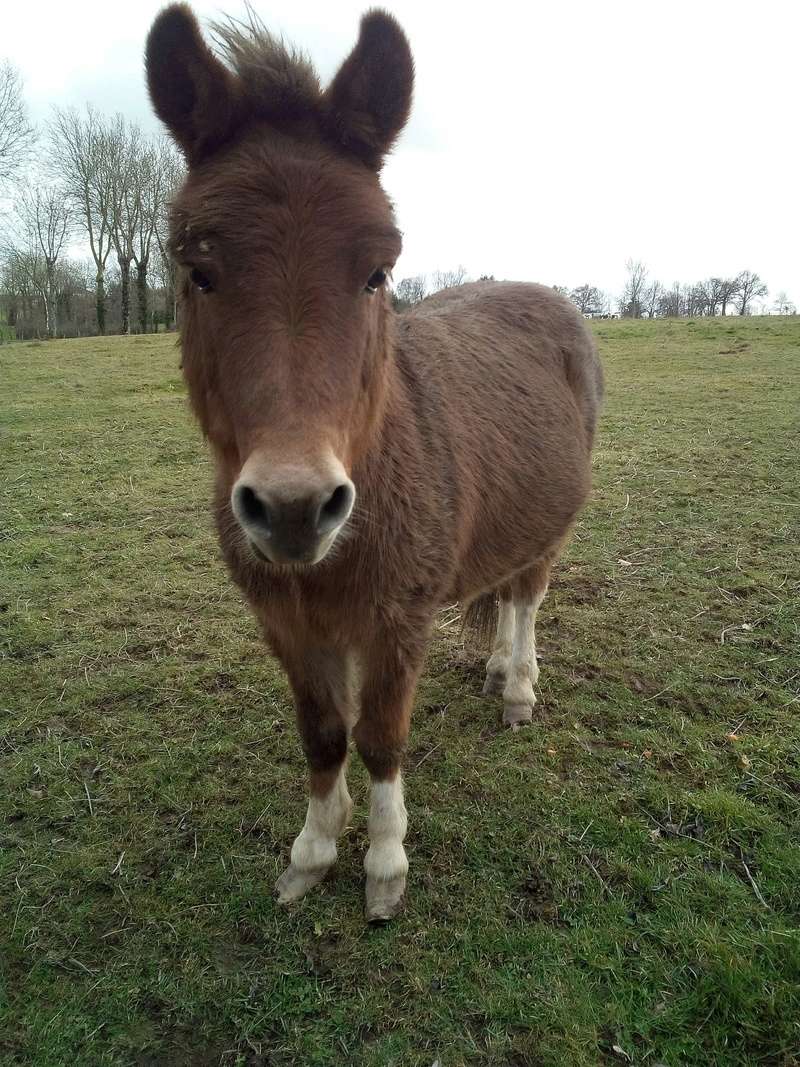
(480, 618)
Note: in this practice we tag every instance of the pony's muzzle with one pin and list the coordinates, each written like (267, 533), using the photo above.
(287, 521)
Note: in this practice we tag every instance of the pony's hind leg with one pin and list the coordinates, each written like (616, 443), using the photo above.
(528, 592)
(500, 659)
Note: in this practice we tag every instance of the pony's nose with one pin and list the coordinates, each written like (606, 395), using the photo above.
(291, 525)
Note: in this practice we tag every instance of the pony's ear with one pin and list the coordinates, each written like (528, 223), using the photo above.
(367, 103)
(193, 93)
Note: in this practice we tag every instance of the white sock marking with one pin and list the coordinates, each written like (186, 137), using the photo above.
(315, 846)
(523, 671)
(500, 659)
(386, 857)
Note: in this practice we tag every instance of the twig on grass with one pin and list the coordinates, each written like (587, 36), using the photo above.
(752, 882)
(771, 785)
(88, 797)
(671, 830)
(430, 752)
(82, 966)
(745, 626)
(597, 874)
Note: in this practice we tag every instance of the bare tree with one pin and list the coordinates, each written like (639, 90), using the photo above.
(749, 287)
(148, 195)
(45, 220)
(783, 305)
(672, 303)
(632, 294)
(729, 287)
(161, 288)
(79, 156)
(696, 299)
(14, 287)
(124, 158)
(158, 176)
(16, 132)
(447, 279)
(589, 300)
(172, 173)
(74, 295)
(651, 299)
(27, 275)
(410, 291)
(712, 289)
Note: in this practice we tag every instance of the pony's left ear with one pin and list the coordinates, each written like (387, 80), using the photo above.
(368, 102)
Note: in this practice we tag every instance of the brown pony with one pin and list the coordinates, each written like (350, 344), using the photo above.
(370, 467)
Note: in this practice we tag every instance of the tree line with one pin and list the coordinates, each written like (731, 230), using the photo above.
(644, 297)
(89, 180)
(641, 298)
(98, 182)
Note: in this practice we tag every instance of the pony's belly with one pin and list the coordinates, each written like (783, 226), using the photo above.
(512, 539)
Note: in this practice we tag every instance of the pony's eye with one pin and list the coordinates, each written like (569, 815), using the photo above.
(376, 280)
(200, 281)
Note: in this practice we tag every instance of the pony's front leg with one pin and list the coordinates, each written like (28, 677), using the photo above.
(322, 686)
(381, 734)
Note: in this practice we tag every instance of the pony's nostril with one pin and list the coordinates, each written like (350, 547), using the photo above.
(252, 509)
(336, 508)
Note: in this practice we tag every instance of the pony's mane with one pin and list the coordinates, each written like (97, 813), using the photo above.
(276, 78)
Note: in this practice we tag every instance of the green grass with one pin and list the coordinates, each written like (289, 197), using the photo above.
(622, 875)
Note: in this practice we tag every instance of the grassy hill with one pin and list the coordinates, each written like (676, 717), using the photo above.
(618, 883)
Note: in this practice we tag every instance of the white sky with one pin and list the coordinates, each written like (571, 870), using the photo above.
(549, 141)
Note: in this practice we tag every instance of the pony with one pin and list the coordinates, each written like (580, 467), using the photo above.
(370, 467)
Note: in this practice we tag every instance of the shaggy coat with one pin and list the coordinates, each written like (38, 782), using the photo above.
(370, 467)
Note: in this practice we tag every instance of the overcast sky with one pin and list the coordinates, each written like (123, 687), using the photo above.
(549, 141)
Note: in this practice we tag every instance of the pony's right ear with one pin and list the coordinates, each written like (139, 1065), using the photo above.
(193, 93)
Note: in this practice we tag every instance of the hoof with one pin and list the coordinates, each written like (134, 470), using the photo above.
(494, 685)
(516, 715)
(384, 899)
(294, 884)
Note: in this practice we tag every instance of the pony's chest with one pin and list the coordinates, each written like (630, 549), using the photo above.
(314, 608)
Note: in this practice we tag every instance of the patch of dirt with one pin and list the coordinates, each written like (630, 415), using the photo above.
(580, 589)
(249, 933)
(587, 672)
(742, 591)
(220, 681)
(611, 1050)
(638, 684)
(232, 958)
(524, 1059)
(536, 901)
(186, 1051)
(692, 828)
(788, 781)
(322, 955)
(434, 709)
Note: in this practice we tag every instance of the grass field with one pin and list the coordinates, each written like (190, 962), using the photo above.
(617, 884)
